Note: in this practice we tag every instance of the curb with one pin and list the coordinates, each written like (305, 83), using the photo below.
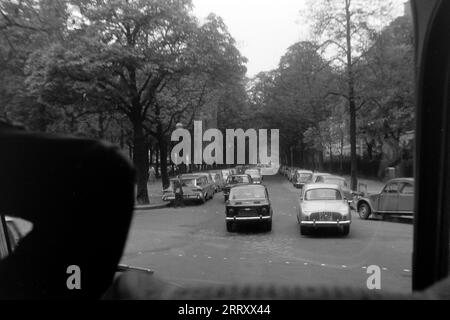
(151, 207)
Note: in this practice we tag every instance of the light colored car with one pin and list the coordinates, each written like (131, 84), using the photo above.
(301, 178)
(225, 174)
(396, 198)
(218, 180)
(210, 178)
(317, 176)
(323, 206)
(195, 187)
(255, 174)
(340, 181)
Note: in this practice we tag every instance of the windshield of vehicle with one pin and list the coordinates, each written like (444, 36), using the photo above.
(253, 173)
(238, 179)
(304, 176)
(322, 194)
(191, 182)
(337, 181)
(247, 193)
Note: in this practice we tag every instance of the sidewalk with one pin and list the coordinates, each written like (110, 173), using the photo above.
(154, 193)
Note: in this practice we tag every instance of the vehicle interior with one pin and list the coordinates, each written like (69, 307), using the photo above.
(87, 180)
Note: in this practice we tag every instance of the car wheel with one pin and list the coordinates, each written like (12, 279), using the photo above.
(305, 231)
(225, 198)
(230, 226)
(364, 211)
(203, 199)
(212, 196)
(346, 230)
(268, 226)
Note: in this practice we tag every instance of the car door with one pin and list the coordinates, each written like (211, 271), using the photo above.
(406, 198)
(389, 198)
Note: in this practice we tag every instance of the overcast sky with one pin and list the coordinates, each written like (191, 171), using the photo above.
(263, 29)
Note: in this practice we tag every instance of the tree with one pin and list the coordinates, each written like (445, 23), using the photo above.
(133, 57)
(346, 29)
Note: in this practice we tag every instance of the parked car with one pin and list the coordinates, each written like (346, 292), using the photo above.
(323, 206)
(255, 174)
(301, 178)
(396, 198)
(340, 181)
(208, 176)
(225, 174)
(219, 182)
(236, 180)
(318, 175)
(249, 204)
(195, 187)
(291, 174)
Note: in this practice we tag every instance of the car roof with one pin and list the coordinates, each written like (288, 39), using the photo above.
(191, 176)
(322, 186)
(256, 186)
(411, 180)
(334, 177)
(304, 171)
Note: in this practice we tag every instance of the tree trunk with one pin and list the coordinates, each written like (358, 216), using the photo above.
(163, 157)
(141, 162)
(351, 99)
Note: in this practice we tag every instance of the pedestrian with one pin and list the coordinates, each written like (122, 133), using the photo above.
(178, 190)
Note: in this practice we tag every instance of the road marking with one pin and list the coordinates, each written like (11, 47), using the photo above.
(323, 264)
(406, 270)
(344, 266)
(305, 263)
(287, 262)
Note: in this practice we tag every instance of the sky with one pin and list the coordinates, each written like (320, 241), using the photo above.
(263, 29)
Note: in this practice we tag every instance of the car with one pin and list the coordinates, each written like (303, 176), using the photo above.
(323, 206)
(195, 187)
(225, 174)
(396, 198)
(255, 174)
(236, 180)
(218, 180)
(340, 181)
(249, 204)
(317, 175)
(291, 173)
(210, 178)
(301, 178)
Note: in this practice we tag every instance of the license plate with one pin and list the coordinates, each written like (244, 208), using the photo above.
(326, 216)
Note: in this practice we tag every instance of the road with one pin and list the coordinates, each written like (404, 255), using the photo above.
(190, 246)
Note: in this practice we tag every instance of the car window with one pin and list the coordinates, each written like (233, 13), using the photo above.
(391, 188)
(3, 244)
(407, 189)
(322, 194)
(247, 193)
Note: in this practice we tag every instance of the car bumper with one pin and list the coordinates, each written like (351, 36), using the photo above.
(185, 197)
(258, 218)
(319, 224)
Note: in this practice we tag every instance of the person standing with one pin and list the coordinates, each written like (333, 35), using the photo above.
(178, 190)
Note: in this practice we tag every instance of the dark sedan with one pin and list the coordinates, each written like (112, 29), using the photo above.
(249, 204)
(235, 180)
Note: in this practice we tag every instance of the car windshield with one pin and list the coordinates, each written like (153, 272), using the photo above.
(322, 194)
(253, 173)
(238, 179)
(337, 181)
(247, 193)
(304, 176)
(188, 182)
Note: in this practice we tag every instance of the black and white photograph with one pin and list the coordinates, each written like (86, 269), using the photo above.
(224, 150)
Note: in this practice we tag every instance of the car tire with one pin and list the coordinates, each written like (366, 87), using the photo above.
(212, 196)
(203, 199)
(230, 226)
(305, 231)
(364, 211)
(268, 226)
(346, 230)
(225, 198)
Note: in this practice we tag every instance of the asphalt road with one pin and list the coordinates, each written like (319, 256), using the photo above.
(190, 246)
